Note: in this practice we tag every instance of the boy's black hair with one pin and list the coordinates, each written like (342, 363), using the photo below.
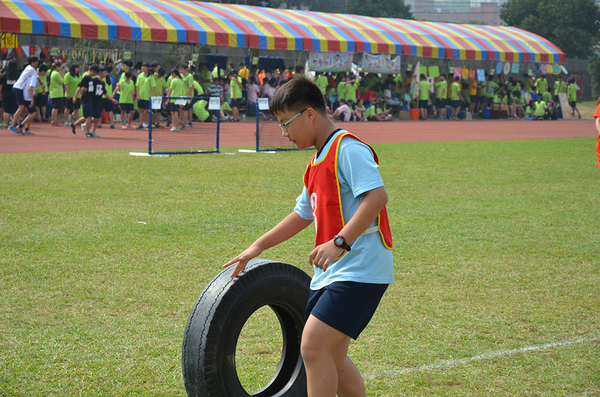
(43, 68)
(32, 59)
(95, 68)
(300, 92)
(128, 63)
(176, 72)
(102, 69)
(161, 72)
(456, 78)
(127, 74)
(422, 76)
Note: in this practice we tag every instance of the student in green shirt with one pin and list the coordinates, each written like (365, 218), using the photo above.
(145, 89)
(424, 95)
(322, 82)
(225, 110)
(492, 86)
(542, 84)
(57, 93)
(126, 89)
(540, 110)
(185, 115)
(572, 96)
(341, 92)
(159, 90)
(41, 96)
(175, 89)
(108, 104)
(441, 93)
(72, 80)
(560, 87)
(236, 96)
(350, 88)
(456, 98)
(517, 106)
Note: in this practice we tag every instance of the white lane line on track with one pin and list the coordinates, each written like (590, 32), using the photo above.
(484, 356)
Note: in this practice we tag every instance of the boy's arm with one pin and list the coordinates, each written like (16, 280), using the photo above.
(371, 205)
(287, 228)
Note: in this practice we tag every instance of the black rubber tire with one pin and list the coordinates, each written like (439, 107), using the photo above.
(217, 318)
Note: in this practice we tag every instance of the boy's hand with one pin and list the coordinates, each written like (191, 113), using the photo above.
(324, 254)
(242, 259)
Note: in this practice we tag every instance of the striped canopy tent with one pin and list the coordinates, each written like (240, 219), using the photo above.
(244, 26)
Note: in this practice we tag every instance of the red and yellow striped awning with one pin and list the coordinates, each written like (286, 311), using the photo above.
(233, 25)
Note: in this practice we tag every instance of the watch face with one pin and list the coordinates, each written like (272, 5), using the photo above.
(338, 241)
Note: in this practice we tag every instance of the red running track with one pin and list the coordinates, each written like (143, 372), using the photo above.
(52, 139)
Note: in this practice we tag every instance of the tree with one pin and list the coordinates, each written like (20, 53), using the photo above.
(379, 8)
(569, 25)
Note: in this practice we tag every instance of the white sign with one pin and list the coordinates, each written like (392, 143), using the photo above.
(263, 103)
(214, 103)
(156, 102)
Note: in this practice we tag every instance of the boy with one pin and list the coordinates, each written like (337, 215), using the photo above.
(28, 97)
(175, 89)
(86, 86)
(572, 96)
(19, 88)
(126, 89)
(456, 98)
(441, 93)
(352, 259)
(145, 89)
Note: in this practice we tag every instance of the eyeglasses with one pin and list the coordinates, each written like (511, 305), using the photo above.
(284, 126)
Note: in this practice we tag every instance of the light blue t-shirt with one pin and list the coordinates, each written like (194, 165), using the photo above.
(368, 261)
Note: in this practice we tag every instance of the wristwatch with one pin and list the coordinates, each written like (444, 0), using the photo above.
(340, 241)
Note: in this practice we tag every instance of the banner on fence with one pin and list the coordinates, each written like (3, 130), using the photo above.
(330, 61)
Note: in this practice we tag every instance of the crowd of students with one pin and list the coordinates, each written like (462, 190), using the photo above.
(122, 92)
(376, 99)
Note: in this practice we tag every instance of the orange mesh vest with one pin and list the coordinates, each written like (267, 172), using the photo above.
(323, 185)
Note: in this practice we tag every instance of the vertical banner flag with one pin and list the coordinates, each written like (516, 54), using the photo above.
(480, 75)
(330, 61)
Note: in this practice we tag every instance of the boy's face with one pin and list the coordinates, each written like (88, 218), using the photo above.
(297, 130)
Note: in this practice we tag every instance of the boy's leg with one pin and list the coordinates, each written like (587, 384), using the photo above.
(329, 370)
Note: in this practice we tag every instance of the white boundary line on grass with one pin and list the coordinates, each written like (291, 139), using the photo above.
(484, 356)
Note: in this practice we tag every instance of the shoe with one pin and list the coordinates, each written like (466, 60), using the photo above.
(27, 132)
(579, 117)
(89, 135)
(99, 125)
(112, 126)
(191, 126)
(73, 129)
(14, 129)
(130, 127)
(94, 135)
(169, 123)
(67, 123)
(140, 127)
(124, 127)
(174, 129)
(84, 129)
(182, 127)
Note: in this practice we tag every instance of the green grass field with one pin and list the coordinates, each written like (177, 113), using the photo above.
(102, 256)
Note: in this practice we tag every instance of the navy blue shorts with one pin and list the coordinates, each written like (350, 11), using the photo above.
(345, 305)
(19, 96)
(73, 106)
(29, 109)
(142, 104)
(57, 103)
(88, 109)
(97, 111)
(10, 104)
(455, 104)
(441, 103)
(108, 105)
(126, 107)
